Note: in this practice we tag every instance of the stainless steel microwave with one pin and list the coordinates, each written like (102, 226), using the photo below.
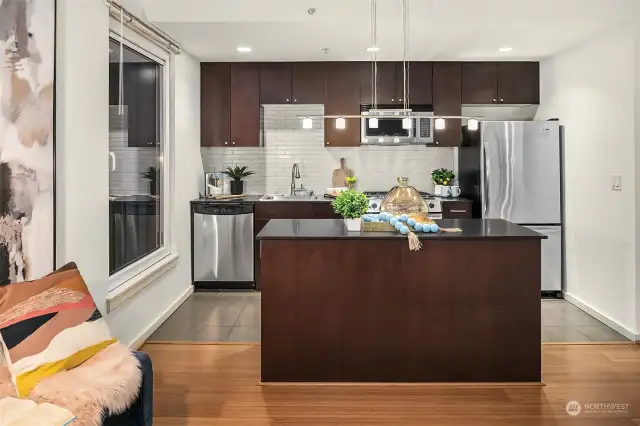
(389, 129)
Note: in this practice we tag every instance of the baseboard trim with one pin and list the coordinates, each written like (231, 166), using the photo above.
(137, 343)
(602, 318)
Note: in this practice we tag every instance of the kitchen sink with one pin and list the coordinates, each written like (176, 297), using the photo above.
(292, 198)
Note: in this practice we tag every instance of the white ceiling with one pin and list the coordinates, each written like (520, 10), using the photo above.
(282, 30)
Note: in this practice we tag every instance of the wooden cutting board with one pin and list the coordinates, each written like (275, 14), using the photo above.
(339, 178)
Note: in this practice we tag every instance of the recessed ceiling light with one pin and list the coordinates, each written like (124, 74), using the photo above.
(505, 49)
(244, 49)
(373, 49)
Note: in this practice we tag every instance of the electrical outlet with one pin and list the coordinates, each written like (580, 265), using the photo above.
(616, 182)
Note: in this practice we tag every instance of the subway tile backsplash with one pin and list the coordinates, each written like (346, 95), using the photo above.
(376, 167)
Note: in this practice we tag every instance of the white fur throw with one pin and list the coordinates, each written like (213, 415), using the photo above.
(109, 381)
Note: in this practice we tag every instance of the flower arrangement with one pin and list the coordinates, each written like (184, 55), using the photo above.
(442, 176)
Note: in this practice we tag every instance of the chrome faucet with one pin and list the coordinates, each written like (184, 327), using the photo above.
(295, 174)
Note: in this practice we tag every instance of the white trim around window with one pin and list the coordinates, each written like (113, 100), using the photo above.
(130, 280)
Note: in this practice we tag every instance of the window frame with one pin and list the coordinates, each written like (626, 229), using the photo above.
(124, 281)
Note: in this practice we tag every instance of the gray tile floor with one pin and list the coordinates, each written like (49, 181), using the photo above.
(235, 317)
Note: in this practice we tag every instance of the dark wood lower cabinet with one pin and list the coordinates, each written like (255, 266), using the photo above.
(265, 211)
(458, 209)
(364, 310)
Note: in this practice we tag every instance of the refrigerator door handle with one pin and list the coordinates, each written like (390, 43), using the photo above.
(484, 180)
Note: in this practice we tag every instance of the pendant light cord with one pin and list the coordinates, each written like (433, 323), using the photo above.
(374, 61)
(121, 67)
(405, 66)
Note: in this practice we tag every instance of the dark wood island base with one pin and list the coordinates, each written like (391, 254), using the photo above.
(352, 307)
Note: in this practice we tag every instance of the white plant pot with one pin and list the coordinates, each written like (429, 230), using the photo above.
(353, 225)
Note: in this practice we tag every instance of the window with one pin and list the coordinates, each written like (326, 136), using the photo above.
(139, 192)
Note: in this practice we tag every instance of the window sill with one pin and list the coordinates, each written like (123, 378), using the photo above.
(126, 291)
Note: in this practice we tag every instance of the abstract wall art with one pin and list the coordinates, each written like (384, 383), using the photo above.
(27, 154)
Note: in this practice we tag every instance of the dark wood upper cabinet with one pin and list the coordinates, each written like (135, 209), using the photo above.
(391, 83)
(519, 82)
(245, 104)
(420, 83)
(147, 95)
(447, 95)
(307, 82)
(215, 102)
(342, 98)
(479, 82)
(501, 83)
(275, 83)
(387, 78)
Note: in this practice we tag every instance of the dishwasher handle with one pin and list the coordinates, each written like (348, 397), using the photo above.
(225, 209)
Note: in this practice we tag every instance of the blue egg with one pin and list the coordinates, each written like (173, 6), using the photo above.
(404, 230)
(398, 225)
(411, 222)
(393, 221)
(418, 227)
(426, 227)
(434, 227)
(404, 218)
(366, 218)
(383, 217)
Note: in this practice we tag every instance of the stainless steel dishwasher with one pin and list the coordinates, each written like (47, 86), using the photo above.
(222, 245)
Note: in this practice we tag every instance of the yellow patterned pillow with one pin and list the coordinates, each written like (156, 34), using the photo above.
(49, 325)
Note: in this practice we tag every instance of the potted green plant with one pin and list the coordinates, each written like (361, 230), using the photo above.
(237, 174)
(442, 178)
(151, 174)
(351, 205)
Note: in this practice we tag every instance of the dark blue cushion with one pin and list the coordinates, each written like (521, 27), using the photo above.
(141, 412)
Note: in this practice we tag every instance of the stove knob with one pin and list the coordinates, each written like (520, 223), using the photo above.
(374, 205)
(432, 206)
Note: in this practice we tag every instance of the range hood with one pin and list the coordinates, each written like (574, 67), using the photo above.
(492, 112)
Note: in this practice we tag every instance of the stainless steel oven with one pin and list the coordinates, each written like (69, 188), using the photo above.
(385, 127)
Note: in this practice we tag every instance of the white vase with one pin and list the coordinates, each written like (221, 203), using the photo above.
(353, 225)
(437, 190)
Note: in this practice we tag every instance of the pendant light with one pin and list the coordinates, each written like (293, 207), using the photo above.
(472, 124)
(373, 123)
(440, 124)
(407, 123)
(307, 123)
(341, 123)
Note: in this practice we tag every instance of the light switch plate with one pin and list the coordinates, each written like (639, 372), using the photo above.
(616, 182)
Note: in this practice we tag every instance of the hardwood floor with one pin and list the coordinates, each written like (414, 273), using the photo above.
(199, 385)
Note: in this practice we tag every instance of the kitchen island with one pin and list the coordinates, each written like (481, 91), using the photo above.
(342, 306)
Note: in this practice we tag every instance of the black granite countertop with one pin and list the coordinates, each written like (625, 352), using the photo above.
(252, 199)
(331, 229)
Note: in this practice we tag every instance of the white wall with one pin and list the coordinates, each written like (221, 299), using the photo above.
(376, 167)
(82, 160)
(591, 89)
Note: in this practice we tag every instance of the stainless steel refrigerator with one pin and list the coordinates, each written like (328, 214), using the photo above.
(512, 170)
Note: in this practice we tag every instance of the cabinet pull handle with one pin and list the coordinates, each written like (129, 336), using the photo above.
(233, 143)
(399, 99)
(392, 100)
(287, 100)
(226, 143)
(295, 101)
(328, 142)
(501, 100)
(457, 211)
(437, 143)
(495, 100)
